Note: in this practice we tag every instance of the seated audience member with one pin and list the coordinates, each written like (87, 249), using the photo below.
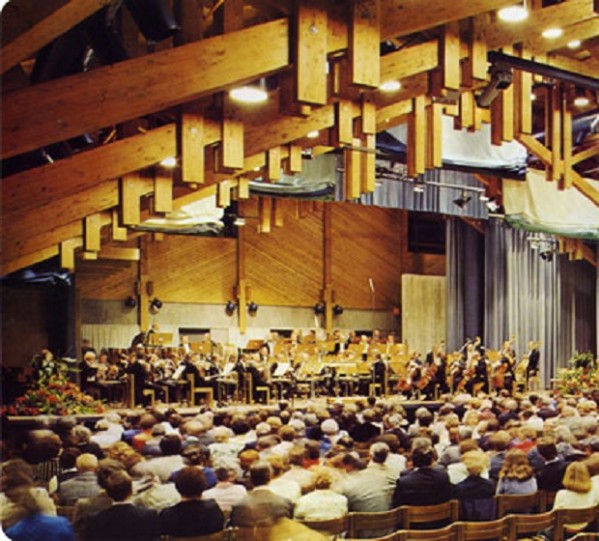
(36, 525)
(68, 470)
(226, 492)
(550, 475)
(122, 520)
(457, 471)
(81, 438)
(146, 422)
(84, 484)
(476, 494)
(286, 488)
(593, 465)
(423, 484)
(17, 478)
(296, 471)
(193, 515)
(260, 506)
(364, 488)
(163, 466)
(197, 455)
(499, 444)
(322, 503)
(379, 452)
(516, 475)
(42, 452)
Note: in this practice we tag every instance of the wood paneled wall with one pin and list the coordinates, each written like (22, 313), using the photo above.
(283, 268)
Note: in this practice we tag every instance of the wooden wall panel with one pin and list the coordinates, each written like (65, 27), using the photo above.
(366, 244)
(418, 263)
(284, 267)
(192, 269)
(106, 279)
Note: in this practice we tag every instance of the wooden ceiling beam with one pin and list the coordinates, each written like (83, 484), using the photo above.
(70, 106)
(581, 29)
(42, 185)
(29, 259)
(46, 30)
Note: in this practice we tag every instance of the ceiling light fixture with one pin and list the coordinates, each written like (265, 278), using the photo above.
(249, 94)
(513, 14)
(169, 162)
(390, 86)
(313, 134)
(581, 99)
(463, 200)
(553, 33)
(574, 44)
(418, 188)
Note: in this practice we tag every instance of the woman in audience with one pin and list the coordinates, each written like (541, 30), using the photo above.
(516, 475)
(476, 493)
(322, 503)
(192, 516)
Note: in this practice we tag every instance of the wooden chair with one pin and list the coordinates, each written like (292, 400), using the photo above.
(520, 503)
(66, 511)
(528, 525)
(440, 534)
(151, 393)
(332, 527)
(547, 497)
(412, 515)
(492, 530)
(585, 537)
(208, 392)
(567, 521)
(383, 522)
(224, 535)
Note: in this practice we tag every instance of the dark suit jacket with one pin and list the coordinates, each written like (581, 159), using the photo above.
(422, 486)
(550, 476)
(193, 517)
(123, 522)
(476, 497)
(261, 507)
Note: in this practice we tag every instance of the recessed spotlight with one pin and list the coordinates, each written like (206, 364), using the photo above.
(390, 86)
(313, 134)
(513, 14)
(533, 96)
(249, 94)
(574, 44)
(169, 162)
(581, 101)
(553, 33)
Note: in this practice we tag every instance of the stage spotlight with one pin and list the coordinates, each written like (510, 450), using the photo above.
(230, 307)
(547, 255)
(252, 308)
(155, 305)
(130, 302)
(319, 308)
(463, 200)
(501, 78)
(337, 310)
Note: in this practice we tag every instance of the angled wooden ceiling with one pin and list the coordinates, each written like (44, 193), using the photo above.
(323, 63)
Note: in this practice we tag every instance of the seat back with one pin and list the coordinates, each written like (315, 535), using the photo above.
(333, 526)
(381, 523)
(440, 534)
(574, 520)
(519, 503)
(492, 530)
(478, 509)
(529, 525)
(419, 515)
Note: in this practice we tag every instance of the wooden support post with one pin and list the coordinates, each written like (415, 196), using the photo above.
(119, 254)
(191, 147)
(556, 168)
(243, 188)
(92, 230)
(343, 132)
(369, 164)
(477, 51)
(130, 188)
(273, 164)
(67, 253)
(567, 177)
(311, 51)
(353, 170)
(265, 212)
(288, 104)
(450, 55)
(417, 142)
(241, 281)
(364, 43)
(224, 194)
(523, 101)
(118, 232)
(327, 271)
(367, 120)
(231, 151)
(277, 210)
(163, 190)
(294, 162)
(144, 292)
(434, 135)
(465, 119)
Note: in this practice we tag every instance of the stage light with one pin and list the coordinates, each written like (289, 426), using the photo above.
(169, 162)
(252, 308)
(553, 33)
(153, 17)
(249, 94)
(501, 78)
(513, 14)
(574, 44)
(547, 255)
(390, 86)
(230, 307)
(337, 310)
(313, 134)
(581, 99)
(319, 308)
(155, 305)
(130, 302)
(463, 200)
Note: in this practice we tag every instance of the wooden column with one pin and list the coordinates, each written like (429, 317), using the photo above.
(144, 288)
(417, 137)
(327, 258)
(364, 43)
(191, 147)
(241, 281)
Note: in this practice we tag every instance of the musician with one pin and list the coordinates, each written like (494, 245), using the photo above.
(185, 345)
(415, 372)
(88, 370)
(458, 374)
(534, 357)
(480, 379)
(379, 369)
(505, 370)
(364, 347)
(437, 358)
(137, 368)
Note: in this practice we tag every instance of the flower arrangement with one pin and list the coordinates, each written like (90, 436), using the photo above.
(580, 377)
(54, 394)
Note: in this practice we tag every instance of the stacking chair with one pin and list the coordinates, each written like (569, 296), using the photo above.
(333, 527)
(208, 392)
(364, 524)
(440, 534)
(522, 525)
(492, 530)
(567, 521)
(520, 503)
(418, 516)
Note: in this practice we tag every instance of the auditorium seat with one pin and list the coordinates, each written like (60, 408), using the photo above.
(383, 523)
(420, 515)
(492, 530)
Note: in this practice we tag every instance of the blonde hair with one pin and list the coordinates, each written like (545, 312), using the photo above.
(516, 466)
(321, 478)
(577, 478)
(476, 462)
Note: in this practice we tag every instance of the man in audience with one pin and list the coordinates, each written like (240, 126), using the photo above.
(551, 474)
(365, 488)
(226, 493)
(84, 484)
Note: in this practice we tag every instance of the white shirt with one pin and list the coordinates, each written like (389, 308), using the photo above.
(321, 505)
(226, 494)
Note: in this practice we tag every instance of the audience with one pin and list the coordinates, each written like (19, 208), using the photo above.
(516, 475)
(84, 484)
(322, 503)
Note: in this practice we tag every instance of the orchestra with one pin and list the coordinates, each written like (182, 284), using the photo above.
(304, 366)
